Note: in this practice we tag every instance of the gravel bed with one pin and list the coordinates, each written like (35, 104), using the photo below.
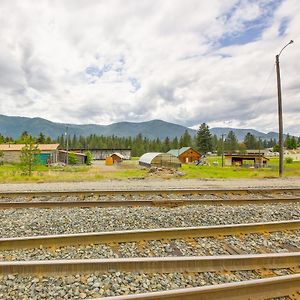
(83, 286)
(276, 242)
(33, 221)
(125, 197)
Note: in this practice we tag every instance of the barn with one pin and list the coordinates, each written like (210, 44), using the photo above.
(157, 159)
(12, 153)
(186, 154)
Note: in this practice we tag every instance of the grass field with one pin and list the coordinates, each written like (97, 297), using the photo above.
(193, 171)
(131, 169)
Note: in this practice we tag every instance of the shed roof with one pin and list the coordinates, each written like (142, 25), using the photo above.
(118, 154)
(177, 152)
(18, 147)
(245, 156)
(76, 153)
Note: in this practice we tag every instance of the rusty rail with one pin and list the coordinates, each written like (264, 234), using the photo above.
(133, 203)
(156, 264)
(249, 289)
(147, 234)
(88, 193)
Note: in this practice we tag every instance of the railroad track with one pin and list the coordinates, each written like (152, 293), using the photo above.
(143, 192)
(230, 273)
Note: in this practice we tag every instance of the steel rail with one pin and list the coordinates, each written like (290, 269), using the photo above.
(156, 264)
(85, 193)
(249, 289)
(146, 234)
(133, 203)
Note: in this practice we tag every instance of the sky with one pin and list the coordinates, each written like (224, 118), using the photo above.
(186, 62)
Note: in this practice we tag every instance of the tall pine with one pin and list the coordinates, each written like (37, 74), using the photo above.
(204, 139)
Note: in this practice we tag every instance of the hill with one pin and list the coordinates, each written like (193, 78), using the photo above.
(13, 126)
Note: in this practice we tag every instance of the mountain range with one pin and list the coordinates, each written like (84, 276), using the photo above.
(14, 126)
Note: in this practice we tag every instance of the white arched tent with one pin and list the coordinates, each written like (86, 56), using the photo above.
(157, 159)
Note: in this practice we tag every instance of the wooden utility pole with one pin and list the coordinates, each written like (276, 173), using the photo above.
(223, 150)
(280, 119)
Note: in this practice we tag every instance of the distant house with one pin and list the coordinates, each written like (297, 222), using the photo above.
(186, 154)
(157, 159)
(256, 159)
(101, 154)
(294, 154)
(12, 153)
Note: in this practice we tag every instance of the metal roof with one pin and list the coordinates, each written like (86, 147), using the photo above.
(147, 157)
(76, 153)
(18, 147)
(118, 154)
(177, 152)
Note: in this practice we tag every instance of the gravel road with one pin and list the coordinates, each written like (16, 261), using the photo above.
(153, 183)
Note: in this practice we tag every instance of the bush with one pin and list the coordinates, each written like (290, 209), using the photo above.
(288, 160)
(72, 159)
(89, 158)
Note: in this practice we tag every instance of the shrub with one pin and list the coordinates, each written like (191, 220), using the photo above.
(72, 159)
(288, 160)
(89, 158)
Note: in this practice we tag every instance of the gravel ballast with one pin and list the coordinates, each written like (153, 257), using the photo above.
(29, 222)
(84, 286)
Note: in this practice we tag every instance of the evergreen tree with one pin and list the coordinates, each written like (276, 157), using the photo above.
(291, 143)
(215, 142)
(231, 142)
(29, 155)
(41, 138)
(204, 139)
(250, 141)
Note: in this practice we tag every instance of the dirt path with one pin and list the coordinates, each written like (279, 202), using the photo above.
(151, 183)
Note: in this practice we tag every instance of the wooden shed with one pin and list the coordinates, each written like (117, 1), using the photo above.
(256, 160)
(186, 154)
(81, 157)
(117, 157)
(157, 159)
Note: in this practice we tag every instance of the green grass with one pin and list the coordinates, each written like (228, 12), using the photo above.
(130, 169)
(13, 173)
(211, 171)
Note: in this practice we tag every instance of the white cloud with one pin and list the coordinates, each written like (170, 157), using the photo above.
(107, 61)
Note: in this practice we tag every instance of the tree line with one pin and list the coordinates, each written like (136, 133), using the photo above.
(203, 141)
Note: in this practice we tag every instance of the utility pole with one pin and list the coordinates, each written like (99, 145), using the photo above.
(67, 146)
(223, 149)
(280, 119)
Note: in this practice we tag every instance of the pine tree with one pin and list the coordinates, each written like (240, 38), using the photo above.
(41, 138)
(29, 155)
(204, 140)
(250, 141)
(231, 142)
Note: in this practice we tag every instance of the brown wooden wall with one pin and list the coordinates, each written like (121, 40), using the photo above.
(189, 156)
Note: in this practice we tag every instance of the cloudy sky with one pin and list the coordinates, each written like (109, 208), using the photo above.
(187, 62)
